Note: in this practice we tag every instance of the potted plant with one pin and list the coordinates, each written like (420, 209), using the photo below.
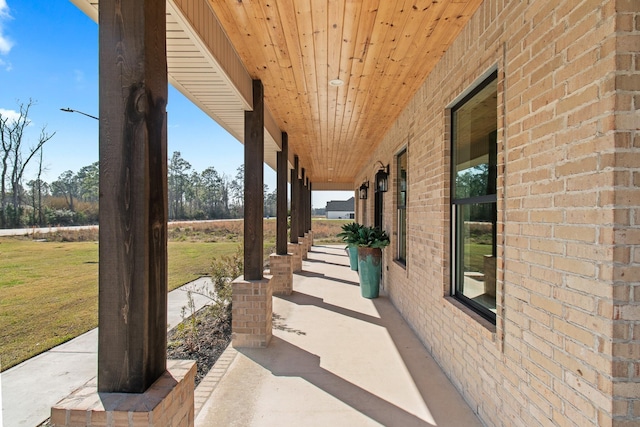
(370, 241)
(349, 235)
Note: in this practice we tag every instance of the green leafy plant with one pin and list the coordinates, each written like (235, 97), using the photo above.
(223, 271)
(349, 233)
(371, 237)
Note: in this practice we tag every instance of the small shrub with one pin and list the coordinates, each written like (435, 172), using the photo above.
(223, 271)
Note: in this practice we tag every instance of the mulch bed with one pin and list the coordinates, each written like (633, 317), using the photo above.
(211, 338)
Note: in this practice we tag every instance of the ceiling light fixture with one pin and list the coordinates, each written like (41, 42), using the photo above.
(336, 82)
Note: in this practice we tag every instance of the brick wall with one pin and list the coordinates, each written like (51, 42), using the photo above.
(565, 349)
(625, 271)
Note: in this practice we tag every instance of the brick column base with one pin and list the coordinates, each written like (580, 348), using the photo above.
(281, 271)
(251, 312)
(294, 250)
(308, 240)
(302, 241)
(168, 402)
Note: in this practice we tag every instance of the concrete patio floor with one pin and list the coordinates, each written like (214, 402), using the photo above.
(336, 359)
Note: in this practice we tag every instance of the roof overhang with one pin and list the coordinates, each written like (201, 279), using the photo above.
(381, 51)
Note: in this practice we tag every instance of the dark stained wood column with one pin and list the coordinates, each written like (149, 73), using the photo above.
(302, 205)
(307, 211)
(310, 208)
(281, 196)
(305, 200)
(132, 337)
(254, 185)
(295, 201)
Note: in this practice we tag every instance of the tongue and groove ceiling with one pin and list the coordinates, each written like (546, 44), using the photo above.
(382, 50)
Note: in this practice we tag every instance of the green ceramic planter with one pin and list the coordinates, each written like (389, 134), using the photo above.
(353, 257)
(370, 270)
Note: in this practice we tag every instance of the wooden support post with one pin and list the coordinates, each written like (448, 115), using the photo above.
(307, 215)
(254, 185)
(281, 263)
(302, 205)
(307, 218)
(132, 314)
(310, 207)
(295, 190)
(281, 194)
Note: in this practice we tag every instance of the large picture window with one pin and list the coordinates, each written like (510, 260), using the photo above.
(473, 201)
(401, 192)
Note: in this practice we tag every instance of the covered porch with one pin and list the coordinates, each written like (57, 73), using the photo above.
(505, 113)
(335, 359)
(310, 92)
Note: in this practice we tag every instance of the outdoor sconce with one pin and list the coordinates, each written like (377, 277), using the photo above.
(382, 178)
(362, 192)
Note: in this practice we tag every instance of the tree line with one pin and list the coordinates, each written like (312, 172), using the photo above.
(72, 199)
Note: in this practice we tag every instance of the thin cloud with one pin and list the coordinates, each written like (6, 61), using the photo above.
(4, 9)
(6, 65)
(5, 43)
(12, 115)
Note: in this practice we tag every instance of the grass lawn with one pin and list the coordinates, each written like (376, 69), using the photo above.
(49, 289)
(474, 256)
(48, 295)
(190, 260)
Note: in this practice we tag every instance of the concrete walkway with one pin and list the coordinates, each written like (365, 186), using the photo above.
(336, 359)
(30, 389)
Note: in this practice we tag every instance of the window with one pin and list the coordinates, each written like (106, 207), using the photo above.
(401, 203)
(473, 202)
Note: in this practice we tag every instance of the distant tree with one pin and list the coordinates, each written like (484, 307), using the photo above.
(224, 195)
(472, 182)
(270, 202)
(178, 179)
(67, 186)
(15, 159)
(237, 193)
(88, 182)
(193, 195)
(38, 190)
(212, 193)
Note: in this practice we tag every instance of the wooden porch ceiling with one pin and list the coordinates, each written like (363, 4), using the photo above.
(381, 49)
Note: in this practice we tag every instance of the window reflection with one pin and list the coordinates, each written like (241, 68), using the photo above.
(474, 151)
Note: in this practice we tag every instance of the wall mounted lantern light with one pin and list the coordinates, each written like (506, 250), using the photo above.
(382, 178)
(362, 192)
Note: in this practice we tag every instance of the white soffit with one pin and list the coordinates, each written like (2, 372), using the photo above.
(199, 76)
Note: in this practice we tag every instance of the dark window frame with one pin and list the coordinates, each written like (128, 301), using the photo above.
(457, 204)
(401, 208)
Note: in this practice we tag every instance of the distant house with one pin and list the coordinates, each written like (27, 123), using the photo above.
(341, 209)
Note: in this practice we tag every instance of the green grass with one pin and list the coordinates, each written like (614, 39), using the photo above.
(190, 260)
(474, 256)
(48, 295)
(49, 290)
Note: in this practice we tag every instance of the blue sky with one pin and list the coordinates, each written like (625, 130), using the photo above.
(49, 53)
